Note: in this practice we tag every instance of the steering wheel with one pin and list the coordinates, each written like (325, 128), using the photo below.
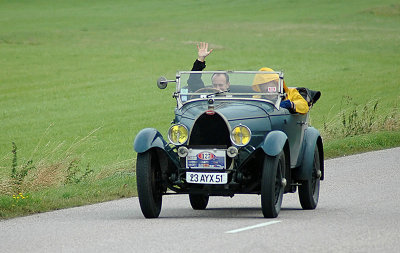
(205, 90)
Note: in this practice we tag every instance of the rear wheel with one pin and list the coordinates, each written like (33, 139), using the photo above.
(198, 201)
(272, 185)
(309, 189)
(148, 178)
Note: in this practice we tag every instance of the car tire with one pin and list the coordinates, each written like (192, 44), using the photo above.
(198, 201)
(148, 180)
(309, 189)
(272, 187)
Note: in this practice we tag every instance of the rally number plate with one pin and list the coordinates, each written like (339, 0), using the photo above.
(206, 178)
(206, 159)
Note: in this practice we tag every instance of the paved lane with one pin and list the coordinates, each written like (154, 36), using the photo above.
(359, 211)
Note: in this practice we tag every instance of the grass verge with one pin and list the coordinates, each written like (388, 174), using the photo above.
(53, 198)
(361, 143)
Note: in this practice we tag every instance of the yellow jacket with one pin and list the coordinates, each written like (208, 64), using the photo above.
(300, 104)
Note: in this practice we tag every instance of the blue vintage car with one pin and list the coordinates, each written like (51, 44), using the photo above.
(227, 142)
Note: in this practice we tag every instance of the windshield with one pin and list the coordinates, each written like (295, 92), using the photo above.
(253, 85)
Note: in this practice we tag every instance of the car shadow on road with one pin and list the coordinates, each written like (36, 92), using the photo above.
(220, 213)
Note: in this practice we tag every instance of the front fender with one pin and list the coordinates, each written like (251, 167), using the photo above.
(312, 139)
(148, 138)
(274, 143)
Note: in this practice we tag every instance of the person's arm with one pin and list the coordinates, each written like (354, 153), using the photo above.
(300, 104)
(195, 82)
(295, 102)
(198, 65)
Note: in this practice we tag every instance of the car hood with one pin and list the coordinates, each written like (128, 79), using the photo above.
(253, 114)
(231, 111)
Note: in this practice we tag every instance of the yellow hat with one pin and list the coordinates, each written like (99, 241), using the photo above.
(263, 78)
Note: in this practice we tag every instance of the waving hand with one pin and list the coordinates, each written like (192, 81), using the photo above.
(203, 52)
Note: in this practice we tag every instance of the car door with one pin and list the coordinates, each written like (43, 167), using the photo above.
(294, 125)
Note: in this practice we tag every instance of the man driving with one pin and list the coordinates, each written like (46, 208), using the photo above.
(220, 81)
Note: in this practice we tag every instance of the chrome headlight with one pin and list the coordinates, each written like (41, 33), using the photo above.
(178, 134)
(241, 135)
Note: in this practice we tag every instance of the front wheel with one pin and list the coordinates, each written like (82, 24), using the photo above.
(148, 180)
(309, 189)
(198, 201)
(272, 185)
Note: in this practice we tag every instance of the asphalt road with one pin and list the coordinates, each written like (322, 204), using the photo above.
(358, 211)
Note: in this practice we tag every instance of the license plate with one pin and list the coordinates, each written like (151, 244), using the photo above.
(206, 159)
(206, 178)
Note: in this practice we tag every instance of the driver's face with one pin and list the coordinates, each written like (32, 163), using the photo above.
(219, 82)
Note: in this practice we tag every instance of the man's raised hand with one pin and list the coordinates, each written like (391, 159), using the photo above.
(203, 52)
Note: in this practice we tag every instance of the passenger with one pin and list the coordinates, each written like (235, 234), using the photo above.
(220, 81)
(293, 101)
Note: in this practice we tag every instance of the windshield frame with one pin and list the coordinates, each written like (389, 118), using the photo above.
(225, 95)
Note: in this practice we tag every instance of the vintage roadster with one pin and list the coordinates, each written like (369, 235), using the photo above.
(227, 142)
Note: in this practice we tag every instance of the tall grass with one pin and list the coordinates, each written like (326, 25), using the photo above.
(55, 167)
(356, 119)
(60, 179)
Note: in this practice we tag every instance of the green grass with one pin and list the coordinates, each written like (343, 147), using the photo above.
(68, 68)
(361, 143)
(53, 198)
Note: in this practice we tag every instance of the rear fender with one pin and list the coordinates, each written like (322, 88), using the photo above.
(274, 143)
(312, 139)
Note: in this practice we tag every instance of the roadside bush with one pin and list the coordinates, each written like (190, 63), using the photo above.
(357, 119)
(55, 167)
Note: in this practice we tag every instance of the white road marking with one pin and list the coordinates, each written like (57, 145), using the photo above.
(252, 227)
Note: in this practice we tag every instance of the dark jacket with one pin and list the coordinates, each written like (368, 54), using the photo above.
(194, 80)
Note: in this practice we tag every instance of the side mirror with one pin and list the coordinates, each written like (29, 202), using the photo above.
(162, 82)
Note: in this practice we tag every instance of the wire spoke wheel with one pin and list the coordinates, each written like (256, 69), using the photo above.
(148, 177)
(271, 185)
